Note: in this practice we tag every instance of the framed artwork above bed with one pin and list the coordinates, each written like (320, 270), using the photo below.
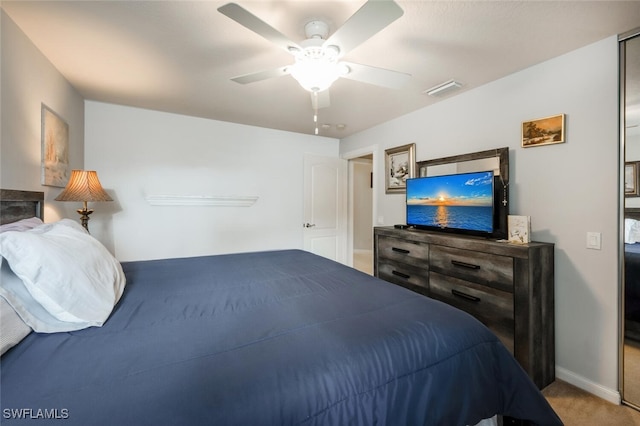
(55, 149)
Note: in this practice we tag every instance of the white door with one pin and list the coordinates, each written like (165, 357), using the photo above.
(325, 207)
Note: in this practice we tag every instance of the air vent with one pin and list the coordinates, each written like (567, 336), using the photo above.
(443, 88)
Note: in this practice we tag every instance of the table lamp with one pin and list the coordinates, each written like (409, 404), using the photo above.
(84, 186)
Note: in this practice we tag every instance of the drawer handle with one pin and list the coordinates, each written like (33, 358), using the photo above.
(464, 264)
(400, 274)
(399, 250)
(465, 296)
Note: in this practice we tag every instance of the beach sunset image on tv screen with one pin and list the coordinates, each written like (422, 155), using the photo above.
(461, 201)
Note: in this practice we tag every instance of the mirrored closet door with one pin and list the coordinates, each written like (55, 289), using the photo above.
(630, 148)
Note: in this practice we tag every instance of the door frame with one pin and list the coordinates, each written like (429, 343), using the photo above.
(352, 155)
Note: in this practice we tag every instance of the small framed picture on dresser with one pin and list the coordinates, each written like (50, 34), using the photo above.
(519, 229)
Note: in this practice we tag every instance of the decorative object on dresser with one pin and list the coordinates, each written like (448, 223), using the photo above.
(400, 165)
(84, 186)
(508, 287)
(519, 229)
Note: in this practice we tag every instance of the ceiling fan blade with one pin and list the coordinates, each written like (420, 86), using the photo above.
(371, 18)
(320, 99)
(261, 75)
(257, 25)
(376, 76)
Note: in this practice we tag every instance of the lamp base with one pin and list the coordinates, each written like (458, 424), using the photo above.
(84, 217)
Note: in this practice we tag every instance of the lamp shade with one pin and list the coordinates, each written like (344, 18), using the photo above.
(83, 185)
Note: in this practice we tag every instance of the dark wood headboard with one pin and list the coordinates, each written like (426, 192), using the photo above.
(632, 213)
(16, 205)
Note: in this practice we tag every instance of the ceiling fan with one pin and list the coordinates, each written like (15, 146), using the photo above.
(318, 58)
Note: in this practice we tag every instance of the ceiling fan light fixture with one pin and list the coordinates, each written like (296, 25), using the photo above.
(315, 77)
(316, 67)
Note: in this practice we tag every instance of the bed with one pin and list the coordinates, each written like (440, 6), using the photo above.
(632, 274)
(270, 338)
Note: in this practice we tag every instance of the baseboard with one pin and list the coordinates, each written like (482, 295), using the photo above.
(587, 385)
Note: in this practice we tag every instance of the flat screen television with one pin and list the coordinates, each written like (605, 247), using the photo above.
(462, 203)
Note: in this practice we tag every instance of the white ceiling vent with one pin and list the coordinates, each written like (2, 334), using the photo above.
(443, 88)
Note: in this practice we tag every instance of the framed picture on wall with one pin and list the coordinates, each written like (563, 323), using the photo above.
(631, 179)
(55, 149)
(543, 131)
(400, 165)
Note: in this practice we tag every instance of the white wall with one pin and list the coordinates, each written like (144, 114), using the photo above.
(567, 189)
(138, 153)
(28, 79)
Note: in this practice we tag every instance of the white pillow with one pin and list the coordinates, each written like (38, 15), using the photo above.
(631, 231)
(67, 271)
(21, 225)
(34, 315)
(12, 328)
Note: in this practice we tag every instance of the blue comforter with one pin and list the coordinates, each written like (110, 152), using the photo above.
(632, 287)
(272, 338)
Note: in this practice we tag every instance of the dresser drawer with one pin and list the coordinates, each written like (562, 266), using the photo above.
(409, 276)
(490, 269)
(404, 251)
(492, 307)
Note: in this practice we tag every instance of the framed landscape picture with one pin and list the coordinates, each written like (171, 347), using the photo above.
(543, 131)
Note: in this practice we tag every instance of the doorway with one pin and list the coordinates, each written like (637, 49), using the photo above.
(361, 191)
(361, 207)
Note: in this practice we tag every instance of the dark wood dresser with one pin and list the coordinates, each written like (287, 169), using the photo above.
(509, 287)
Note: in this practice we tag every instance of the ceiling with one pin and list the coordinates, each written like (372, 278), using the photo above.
(179, 56)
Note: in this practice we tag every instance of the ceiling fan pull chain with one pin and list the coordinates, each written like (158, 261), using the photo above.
(315, 111)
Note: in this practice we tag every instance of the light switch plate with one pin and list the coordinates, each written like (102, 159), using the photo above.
(594, 240)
